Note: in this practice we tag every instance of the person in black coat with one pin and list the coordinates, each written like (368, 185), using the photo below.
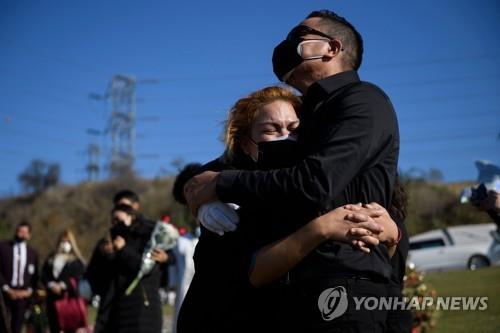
(141, 311)
(62, 272)
(18, 274)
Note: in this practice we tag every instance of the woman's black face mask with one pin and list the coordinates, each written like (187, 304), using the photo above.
(277, 154)
(119, 228)
(285, 55)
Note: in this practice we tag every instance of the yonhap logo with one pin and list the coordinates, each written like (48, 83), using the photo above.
(332, 303)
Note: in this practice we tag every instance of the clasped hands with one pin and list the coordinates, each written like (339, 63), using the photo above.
(362, 225)
(158, 255)
(17, 294)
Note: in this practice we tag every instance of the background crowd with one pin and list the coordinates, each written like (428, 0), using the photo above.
(55, 295)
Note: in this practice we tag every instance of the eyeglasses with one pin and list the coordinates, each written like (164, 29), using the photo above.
(301, 30)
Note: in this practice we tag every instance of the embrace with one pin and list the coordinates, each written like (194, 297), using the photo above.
(305, 199)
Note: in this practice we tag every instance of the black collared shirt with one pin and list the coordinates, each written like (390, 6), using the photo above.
(350, 144)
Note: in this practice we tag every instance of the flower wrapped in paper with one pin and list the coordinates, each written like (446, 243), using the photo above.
(163, 237)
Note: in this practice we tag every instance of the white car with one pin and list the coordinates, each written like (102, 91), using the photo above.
(458, 247)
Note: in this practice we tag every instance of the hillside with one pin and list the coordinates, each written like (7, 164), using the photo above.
(85, 209)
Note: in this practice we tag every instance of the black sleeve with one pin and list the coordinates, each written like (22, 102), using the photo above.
(351, 137)
(3, 250)
(35, 280)
(99, 270)
(128, 260)
(164, 269)
(398, 260)
(46, 272)
(75, 271)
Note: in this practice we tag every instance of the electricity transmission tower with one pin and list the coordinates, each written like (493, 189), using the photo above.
(121, 125)
(120, 131)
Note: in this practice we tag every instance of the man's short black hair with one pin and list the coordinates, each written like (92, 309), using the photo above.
(24, 224)
(126, 194)
(338, 27)
(188, 172)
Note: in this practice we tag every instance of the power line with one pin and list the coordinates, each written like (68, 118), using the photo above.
(439, 139)
(43, 54)
(427, 82)
(55, 140)
(237, 76)
(46, 121)
(45, 96)
(461, 97)
(436, 61)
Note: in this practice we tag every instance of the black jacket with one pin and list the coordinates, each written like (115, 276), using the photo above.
(30, 274)
(72, 270)
(350, 143)
(220, 296)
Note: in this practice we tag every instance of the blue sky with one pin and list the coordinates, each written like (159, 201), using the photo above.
(437, 60)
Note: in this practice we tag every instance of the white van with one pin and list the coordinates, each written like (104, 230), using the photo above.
(458, 247)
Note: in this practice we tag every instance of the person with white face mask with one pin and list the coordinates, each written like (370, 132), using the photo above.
(61, 274)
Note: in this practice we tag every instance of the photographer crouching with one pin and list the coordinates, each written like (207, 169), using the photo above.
(488, 200)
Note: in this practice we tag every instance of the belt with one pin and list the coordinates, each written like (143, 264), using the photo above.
(292, 278)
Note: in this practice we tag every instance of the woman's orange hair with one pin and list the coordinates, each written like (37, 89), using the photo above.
(243, 113)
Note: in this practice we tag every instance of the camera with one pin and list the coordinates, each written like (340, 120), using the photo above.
(477, 194)
(474, 195)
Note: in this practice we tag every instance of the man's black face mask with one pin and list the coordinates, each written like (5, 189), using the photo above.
(285, 55)
(286, 58)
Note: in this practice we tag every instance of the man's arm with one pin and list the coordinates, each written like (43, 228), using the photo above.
(351, 138)
(363, 227)
(275, 259)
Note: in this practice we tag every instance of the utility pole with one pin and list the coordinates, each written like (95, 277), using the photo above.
(93, 152)
(92, 167)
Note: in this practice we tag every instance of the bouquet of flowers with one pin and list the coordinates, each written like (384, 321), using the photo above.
(423, 320)
(164, 237)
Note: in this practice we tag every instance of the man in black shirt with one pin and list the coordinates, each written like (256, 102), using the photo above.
(349, 143)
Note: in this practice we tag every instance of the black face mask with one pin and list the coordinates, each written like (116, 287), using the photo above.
(285, 55)
(18, 239)
(286, 58)
(119, 229)
(277, 154)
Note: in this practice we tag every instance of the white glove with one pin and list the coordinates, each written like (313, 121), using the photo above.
(219, 217)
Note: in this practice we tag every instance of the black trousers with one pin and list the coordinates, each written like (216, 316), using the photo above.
(328, 305)
(398, 320)
(16, 309)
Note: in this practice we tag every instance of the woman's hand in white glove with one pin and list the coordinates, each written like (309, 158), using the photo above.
(219, 217)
